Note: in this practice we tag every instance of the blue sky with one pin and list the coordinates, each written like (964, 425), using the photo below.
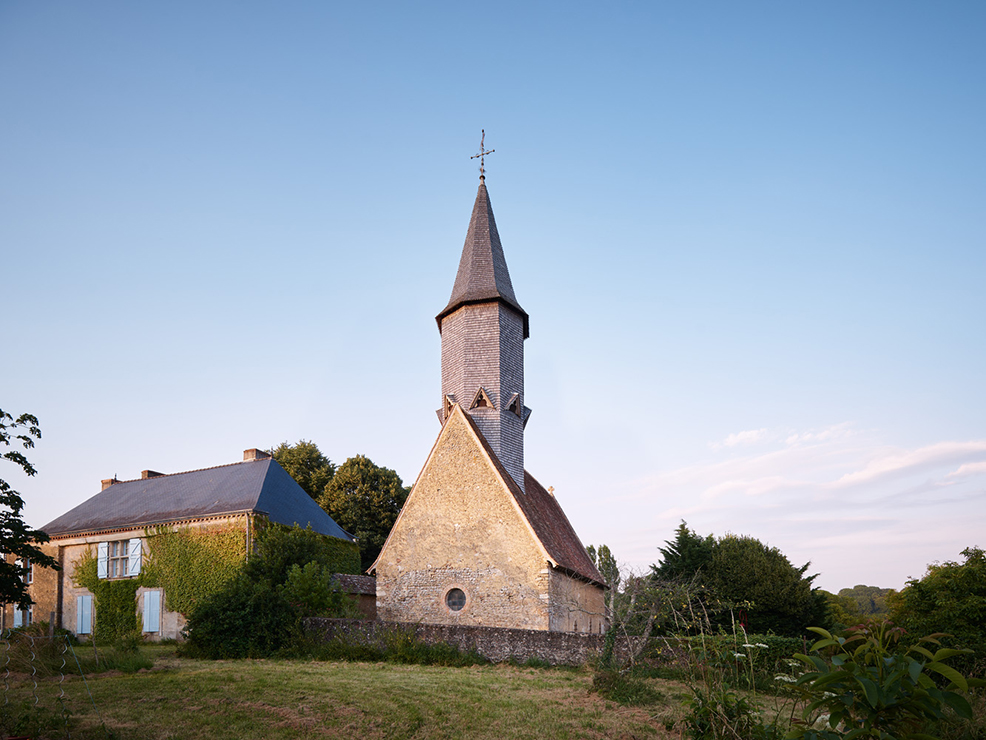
(750, 237)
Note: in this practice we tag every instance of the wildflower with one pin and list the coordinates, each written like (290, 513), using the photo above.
(739, 655)
(784, 678)
(761, 645)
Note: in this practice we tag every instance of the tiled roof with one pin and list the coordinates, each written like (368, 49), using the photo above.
(545, 515)
(254, 486)
(482, 275)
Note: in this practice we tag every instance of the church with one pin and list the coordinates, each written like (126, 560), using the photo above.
(479, 541)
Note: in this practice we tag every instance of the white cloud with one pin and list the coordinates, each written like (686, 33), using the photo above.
(751, 436)
(969, 469)
(861, 510)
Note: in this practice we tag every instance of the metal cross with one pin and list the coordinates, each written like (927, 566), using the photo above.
(482, 156)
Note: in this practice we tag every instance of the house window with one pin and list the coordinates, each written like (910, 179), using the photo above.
(83, 614)
(23, 617)
(27, 571)
(118, 559)
(455, 599)
(152, 611)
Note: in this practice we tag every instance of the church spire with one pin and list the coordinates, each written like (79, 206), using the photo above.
(483, 275)
(483, 330)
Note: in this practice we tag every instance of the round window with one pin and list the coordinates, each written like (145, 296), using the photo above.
(455, 599)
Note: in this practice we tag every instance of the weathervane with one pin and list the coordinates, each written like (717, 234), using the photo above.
(482, 156)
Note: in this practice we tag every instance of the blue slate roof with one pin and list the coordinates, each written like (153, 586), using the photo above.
(252, 486)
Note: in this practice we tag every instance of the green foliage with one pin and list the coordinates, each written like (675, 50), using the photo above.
(951, 597)
(685, 557)
(608, 568)
(192, 564)
(115, 601)
(306, 464)
(16, 538)
(260, 611)
(312, 591)
(781, 598)
(872, 685)
(279, 547)
(245, 619)
(843, 611)
(717, 714)
(743, 579)
(870, 600)
(365, 499)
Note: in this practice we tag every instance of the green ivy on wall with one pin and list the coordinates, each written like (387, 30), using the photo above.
(115, 600)
(192, 564)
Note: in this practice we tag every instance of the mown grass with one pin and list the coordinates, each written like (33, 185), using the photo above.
(187, 698)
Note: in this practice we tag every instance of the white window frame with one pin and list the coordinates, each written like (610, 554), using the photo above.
(152, 611)
(119, 558)
(83, 614)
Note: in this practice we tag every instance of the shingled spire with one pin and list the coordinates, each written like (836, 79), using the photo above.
(483, 274)
(483, 330)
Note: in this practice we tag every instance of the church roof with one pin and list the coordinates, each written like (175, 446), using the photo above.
(254, 486)
(482, 275)
(546, 517)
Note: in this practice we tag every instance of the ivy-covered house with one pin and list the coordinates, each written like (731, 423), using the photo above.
(151, 547)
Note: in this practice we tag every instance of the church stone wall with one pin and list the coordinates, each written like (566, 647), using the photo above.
(576, 606)
(460, 529)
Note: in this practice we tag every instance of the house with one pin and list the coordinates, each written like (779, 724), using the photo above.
(479, 540)
(225, 504)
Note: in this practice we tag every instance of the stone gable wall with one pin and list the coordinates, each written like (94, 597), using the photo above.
(461, 529)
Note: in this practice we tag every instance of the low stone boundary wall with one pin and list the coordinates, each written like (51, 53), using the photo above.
(493, 643)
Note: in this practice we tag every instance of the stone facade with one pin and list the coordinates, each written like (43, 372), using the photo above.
(461, 529)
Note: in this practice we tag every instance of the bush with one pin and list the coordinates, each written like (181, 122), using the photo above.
(624, 688)
(260, 612)
(872, 685)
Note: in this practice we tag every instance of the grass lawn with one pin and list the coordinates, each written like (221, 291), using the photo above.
(182, 698)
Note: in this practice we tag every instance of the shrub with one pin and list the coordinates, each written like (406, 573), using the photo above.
(871, 685)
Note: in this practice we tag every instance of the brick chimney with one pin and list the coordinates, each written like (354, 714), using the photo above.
(107, 482)
(145, 474)
(255, 454)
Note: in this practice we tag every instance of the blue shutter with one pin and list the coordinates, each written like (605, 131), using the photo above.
(102, 558)
(83, 614)
(133, 566)
(152, 611)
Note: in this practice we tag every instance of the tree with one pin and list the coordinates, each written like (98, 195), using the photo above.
(306, 464)
(870, 600)
(365, 500)
(745, 579)
(685, 557)
(604, 561)
(16, 538)
(951, 598)
(780, 597)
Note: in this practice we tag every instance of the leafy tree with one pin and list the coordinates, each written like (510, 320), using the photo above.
(870, 600)
(365, 500)
(306, 464)
(780, 596)
(740, 577)
(843, 610)
(604, 561)
(950, 598)
(685, 557)
(16, 538)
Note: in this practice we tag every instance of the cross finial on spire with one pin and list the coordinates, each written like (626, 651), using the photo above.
(482, 156)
